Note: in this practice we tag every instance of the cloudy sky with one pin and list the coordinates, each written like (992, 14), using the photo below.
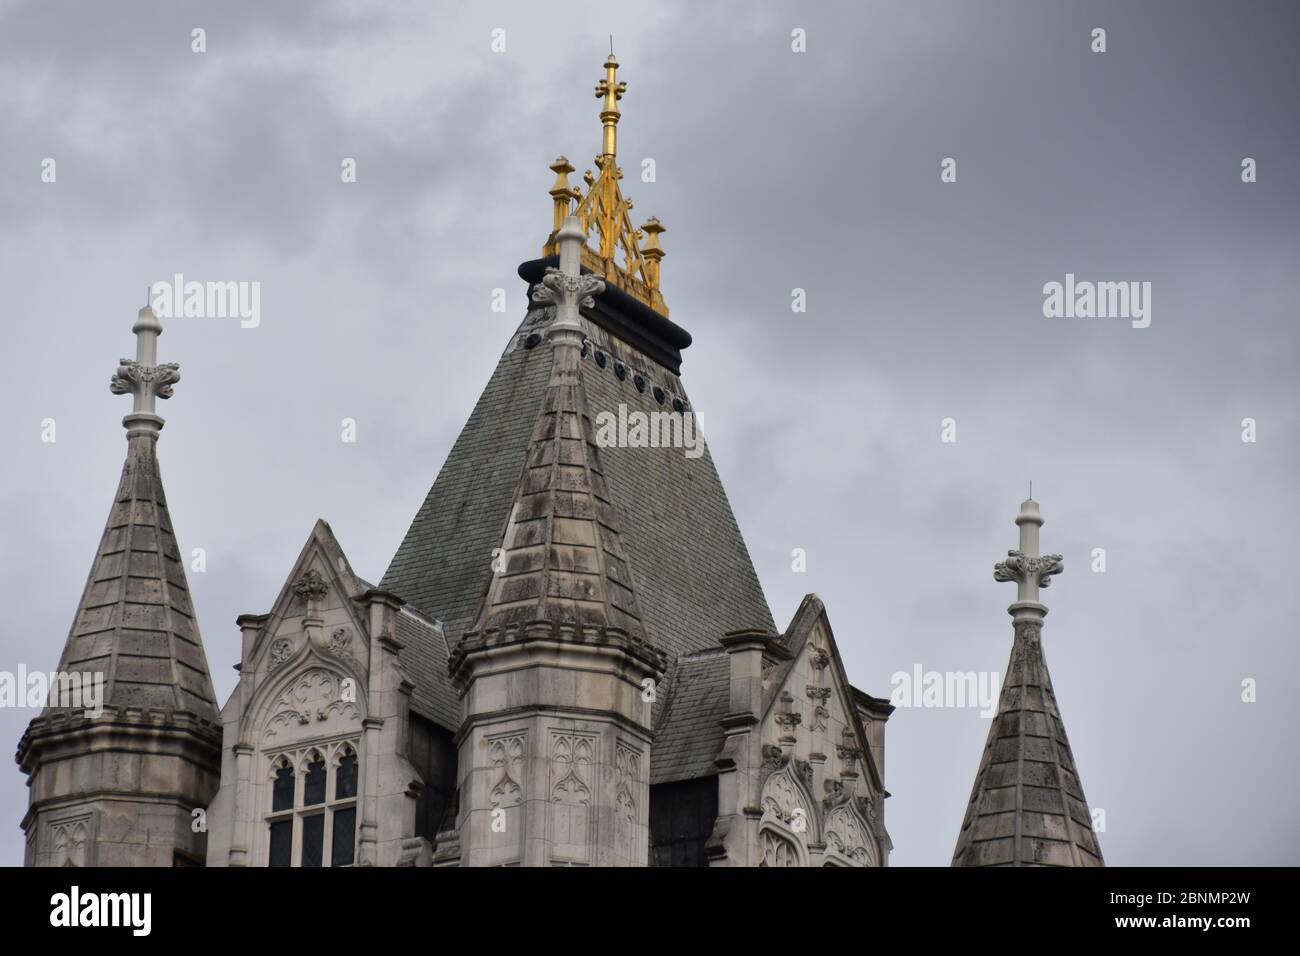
(776, 170)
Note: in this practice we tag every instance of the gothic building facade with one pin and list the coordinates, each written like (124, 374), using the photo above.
(569, 660)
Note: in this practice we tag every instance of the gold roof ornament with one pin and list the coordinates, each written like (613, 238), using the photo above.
(622, 254)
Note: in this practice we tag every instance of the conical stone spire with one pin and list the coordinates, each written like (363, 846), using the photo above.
(153, 734)
(557, 677)
(562, 560)
(1027, 807)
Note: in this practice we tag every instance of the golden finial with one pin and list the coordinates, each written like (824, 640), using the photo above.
(561, 192)
(612, 91)
(619, 255)
(651, 251)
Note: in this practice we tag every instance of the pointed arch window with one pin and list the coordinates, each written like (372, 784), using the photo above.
(313, 814)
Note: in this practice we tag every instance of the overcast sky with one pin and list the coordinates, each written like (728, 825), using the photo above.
(776, 170)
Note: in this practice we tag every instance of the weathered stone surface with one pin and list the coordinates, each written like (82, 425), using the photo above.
(1026, 785)
(119, 789)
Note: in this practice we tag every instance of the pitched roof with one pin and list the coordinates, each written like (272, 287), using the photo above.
(135, 623)
(1027, 806)
(424, 637)
(690, 569)
(689, 735)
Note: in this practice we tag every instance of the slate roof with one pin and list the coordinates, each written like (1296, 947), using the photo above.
(689, 735)
(135, 623)
(424, 639)
(690, 569)
(1027, 806)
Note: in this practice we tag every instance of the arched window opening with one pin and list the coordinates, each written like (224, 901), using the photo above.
(314, 787)
(282, 792)
(316, 824)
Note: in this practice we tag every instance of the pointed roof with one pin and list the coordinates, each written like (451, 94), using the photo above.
(135, 623)
(1027, 807)
(681, 546)
(321, 550)
(562, 558)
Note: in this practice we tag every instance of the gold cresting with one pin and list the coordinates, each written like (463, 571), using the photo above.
(624, 255)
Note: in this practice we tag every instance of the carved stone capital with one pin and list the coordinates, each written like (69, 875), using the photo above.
(567, 291)
(131, 377)
(1019, 567)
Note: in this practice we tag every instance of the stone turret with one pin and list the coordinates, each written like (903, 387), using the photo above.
(555, 744)
(1027, 806)
(128, 745)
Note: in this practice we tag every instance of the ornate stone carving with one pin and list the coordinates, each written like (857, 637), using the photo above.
(627, 777)
(562, 290)
(774, 758)
(804, 770)
(782, 800)
(340, 641)
(789, 721)
(311, 586)
(130, 377)
(846, 836)
(572, 760)
(1018, 567)
(818, 658)
(68, 839)
(821, 713)
(778, 851)
(867, 808)
(627, 772)
(836, 794)
(281, 651)
(786, 717)
(317, 695)
(506, 757)
(848, 749)
(786, 804)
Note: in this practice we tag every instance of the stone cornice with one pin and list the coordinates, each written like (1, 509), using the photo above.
(59, 736)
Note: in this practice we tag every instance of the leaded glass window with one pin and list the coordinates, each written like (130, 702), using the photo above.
(313, 806)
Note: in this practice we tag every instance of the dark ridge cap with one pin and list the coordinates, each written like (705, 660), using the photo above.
(624, 316)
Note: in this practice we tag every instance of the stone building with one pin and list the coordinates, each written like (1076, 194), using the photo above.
(569, 660)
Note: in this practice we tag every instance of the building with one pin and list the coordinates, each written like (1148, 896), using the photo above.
(569, 660)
